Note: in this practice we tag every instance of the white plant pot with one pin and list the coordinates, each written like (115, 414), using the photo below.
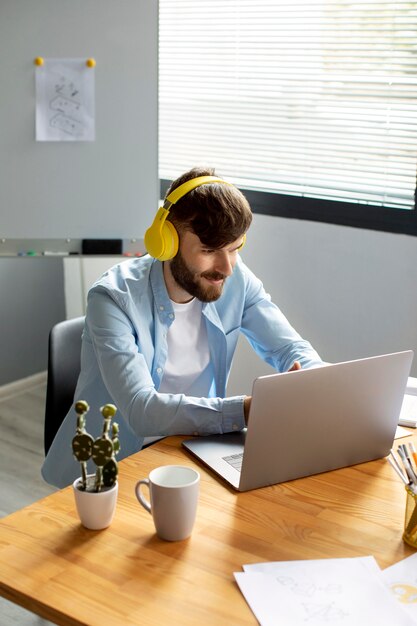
(95, 509)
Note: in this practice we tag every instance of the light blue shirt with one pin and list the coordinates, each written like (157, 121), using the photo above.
(124, 350)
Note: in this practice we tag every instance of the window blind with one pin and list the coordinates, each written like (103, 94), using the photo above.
(309, 98)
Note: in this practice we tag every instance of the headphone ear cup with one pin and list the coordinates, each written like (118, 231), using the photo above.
(153, 241)
(170, 240)
(161, 238)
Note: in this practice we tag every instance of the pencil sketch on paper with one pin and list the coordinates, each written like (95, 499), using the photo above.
(329, 592)
(324, 612)
(308, 589)
(64, 100)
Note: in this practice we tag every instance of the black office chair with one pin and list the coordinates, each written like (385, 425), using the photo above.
(63, 369)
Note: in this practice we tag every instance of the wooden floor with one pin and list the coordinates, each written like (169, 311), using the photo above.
(22, 409)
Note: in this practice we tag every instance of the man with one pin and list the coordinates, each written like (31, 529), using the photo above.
(161, 330)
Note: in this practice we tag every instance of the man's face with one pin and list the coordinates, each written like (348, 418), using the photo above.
(201, 271)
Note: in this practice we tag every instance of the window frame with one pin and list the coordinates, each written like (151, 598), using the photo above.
(277, 200)
(356, 215)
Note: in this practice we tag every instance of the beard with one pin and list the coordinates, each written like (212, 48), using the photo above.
(193, 283)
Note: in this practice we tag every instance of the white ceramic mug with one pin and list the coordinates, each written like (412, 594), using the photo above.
(174, 494)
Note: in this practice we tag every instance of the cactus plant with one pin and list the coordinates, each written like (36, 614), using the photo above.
(102, 450)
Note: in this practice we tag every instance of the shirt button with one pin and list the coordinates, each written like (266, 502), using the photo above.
(235, 427)
(159, 370)
(161, 308)
(171, 316)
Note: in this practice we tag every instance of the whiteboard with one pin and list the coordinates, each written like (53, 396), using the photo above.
(107, 188)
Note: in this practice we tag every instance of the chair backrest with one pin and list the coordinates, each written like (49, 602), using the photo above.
(63, 369)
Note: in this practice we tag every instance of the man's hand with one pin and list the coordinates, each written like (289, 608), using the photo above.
(295, 367)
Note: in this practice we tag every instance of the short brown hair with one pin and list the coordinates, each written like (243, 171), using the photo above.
(217, 213)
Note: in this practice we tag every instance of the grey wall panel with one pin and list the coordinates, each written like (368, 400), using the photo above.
(31, 302)
(102, 189)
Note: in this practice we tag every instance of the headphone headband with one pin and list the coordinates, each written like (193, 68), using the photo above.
(161, 238)
(188, 186)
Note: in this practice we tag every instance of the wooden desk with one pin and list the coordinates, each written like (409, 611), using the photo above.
(125, 575)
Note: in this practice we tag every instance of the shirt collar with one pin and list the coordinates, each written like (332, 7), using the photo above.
(159, 290)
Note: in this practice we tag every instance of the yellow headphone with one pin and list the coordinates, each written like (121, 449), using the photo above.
(161, 238)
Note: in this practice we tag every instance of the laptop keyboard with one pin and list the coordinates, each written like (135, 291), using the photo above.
(235, 460)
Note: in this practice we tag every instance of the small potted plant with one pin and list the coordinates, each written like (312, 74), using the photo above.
(96, 494)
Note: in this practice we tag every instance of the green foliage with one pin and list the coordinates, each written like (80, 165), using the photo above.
(102, 450)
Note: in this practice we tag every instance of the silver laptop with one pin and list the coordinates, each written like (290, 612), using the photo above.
(311, 421)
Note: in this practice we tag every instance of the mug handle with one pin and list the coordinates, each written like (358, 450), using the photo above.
(143, 501)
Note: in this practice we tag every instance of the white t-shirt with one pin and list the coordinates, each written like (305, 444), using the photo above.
(187, 368)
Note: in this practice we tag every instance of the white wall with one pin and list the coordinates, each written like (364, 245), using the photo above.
(351, 292)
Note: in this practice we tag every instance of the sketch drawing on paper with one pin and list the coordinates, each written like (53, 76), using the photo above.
(325, 612)
(64, 101)
(306, 588)
(316, 608)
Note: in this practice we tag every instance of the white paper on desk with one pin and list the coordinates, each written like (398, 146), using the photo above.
(401, 432)
(409, 411)
(270, 567)
(327, 591)
(411, 386)
(401, 579)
